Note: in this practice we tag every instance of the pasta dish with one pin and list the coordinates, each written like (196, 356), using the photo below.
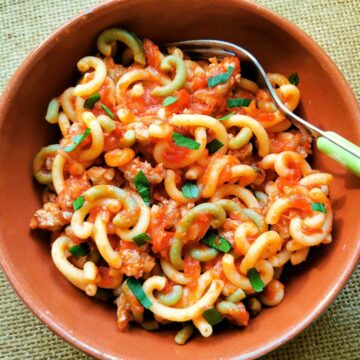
(178, 190)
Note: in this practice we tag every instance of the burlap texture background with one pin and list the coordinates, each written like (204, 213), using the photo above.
(334, 24)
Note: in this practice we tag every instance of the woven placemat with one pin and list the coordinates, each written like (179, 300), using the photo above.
(334, 24)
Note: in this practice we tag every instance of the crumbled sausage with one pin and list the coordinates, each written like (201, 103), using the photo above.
(103, 176)
(155, 175)
(135, 263)
(50, 217)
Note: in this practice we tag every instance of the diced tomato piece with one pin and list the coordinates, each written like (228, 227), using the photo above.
(182, 102)
(153, 55)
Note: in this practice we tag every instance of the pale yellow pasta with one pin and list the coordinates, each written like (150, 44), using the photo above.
(290, 96)
(258, 130)
(98, 79)
(279, 259)
(193, 172)
(83, 229)
(277, 294)
(207, 122)
(299, 256)
(277, 79)
(214, 171)
(64, 123)
(205, 329)
(172, 190)
(262, 266)
(246, 173)
(269, 241)
(125, 116)
(316, 179)
(244, 230)
(278, 208)
(141, 225)
(159, 131)
(112, 257)
(138, 75)
(248, 85)
(184, 314)
(279, 127)
(283, 160)
(97, 143)
(57, 172)
(296, 225)
(174, 275)
(86, 278)
(66, 100)
(245, 195)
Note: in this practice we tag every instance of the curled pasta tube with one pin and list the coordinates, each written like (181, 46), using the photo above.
(64, 123)
(184, 314)
(244, 230)
(84, 279)
(246, 173)
(255, 127)
(269, 241)
(203, 254)
(299, 256)
(280, 127)
(183, 225)
(193, 155)
(52, 112)
(99, 76)
(316, 179)
(297, 233)
(273, 293)
(207, 122)
(174, 275)
(290, 96)
(229, 308)
(262, 266)
(57, 173)
(97, 143)
(166, 65)
(119, 157)
(138, 75)
(280, 259)
(242, 138)
(172, 297)
(245, 195)
(285, 158)
(184, 334)
(141, 225)
(278, 207)
(212, 174)
(42, 176)
(108, 36)
(66, 100)
(83, 229)
(205, 329)
(106, 123)
(172, 190)
(232, 207)
(248, 85)
(112, 257)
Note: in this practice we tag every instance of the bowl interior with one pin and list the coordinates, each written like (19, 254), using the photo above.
(326, 100)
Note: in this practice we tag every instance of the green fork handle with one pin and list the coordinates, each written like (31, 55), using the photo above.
(340, 155)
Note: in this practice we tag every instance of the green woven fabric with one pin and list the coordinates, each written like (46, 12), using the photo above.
(334, 24)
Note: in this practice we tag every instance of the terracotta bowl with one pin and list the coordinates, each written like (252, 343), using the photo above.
(25, 256)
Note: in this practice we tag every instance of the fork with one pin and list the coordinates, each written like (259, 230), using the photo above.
(330, 143)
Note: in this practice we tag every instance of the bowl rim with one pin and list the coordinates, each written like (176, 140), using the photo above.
(286, 25)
